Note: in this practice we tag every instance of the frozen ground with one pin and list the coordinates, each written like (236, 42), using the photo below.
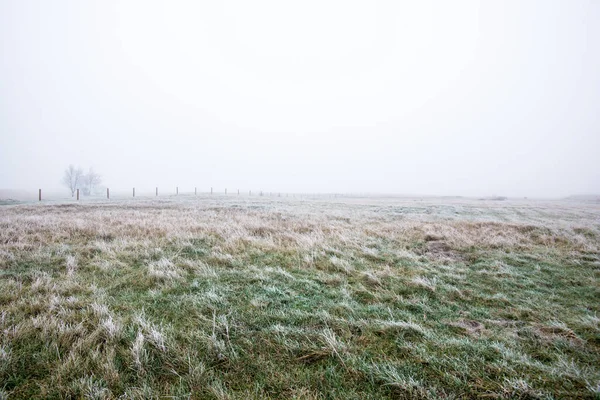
(287, 297)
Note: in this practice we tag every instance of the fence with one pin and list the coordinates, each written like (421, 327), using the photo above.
(76, 194)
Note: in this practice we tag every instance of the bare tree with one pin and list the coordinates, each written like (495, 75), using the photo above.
(72, 178)
(90, 180)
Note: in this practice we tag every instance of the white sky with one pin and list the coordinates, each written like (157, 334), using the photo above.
(408, 97)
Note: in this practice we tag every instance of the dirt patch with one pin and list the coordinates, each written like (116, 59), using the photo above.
(469, 326)
(552, 333)
(433, 238)
(439, 249)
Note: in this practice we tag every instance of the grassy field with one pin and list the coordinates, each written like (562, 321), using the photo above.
(237, 297)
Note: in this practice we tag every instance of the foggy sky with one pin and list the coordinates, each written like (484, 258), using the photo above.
(409, 97)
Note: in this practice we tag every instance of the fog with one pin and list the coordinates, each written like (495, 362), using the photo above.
(429, 97)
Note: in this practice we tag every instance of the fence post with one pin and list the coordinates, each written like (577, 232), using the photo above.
(238, 192)
(107, 193)
(133, 192)
(40, 195)
(77, 194)
(157, 190)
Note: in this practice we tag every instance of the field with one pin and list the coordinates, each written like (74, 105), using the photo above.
(254, 297)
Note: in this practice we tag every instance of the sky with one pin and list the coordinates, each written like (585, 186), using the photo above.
(471, 98)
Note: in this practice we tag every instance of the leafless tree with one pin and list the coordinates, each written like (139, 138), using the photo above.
(72, 178)
(90, 180)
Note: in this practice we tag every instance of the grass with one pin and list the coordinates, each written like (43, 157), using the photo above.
(235, 298)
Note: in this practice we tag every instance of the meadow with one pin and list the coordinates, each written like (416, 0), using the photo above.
(238, 297)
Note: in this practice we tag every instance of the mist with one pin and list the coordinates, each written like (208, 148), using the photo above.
(435, 98)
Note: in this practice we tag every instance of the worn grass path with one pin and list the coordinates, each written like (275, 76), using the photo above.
(235, 298)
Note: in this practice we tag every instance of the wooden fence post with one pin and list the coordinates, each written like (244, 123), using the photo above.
(77, 194)
(107, 193)
(40, 195)
(133, 192)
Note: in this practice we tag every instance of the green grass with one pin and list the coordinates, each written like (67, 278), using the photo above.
(254, 298)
